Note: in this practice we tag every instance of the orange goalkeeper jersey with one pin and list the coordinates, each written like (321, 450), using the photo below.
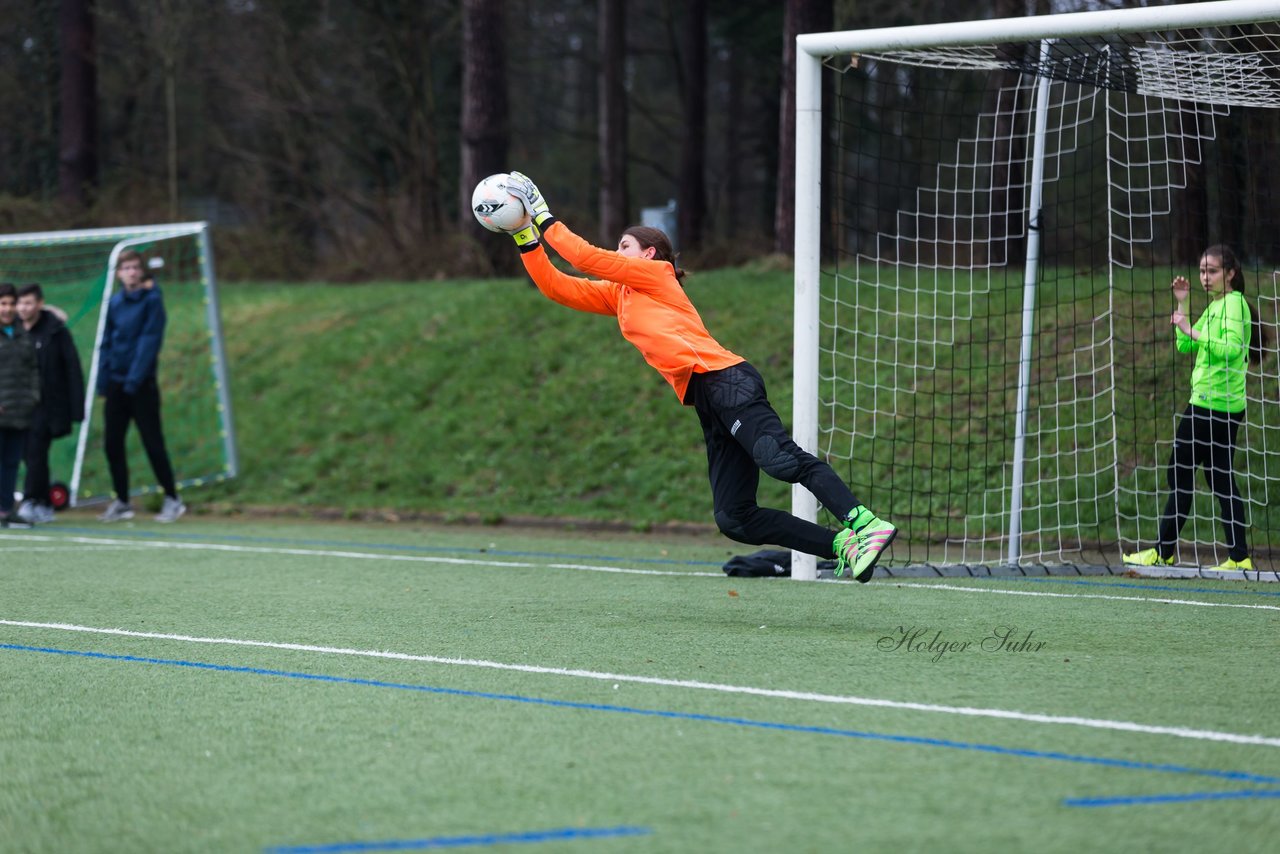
(653, 311)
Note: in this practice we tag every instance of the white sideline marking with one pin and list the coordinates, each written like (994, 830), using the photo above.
(1195, 602)
(458, 561)
(1093, 723)
(72, 549)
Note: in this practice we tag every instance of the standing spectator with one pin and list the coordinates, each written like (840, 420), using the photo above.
(19, 396)
(61, 397)
(1226, 338)
(127, 363)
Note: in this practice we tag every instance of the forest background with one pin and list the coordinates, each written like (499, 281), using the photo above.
(339, 140)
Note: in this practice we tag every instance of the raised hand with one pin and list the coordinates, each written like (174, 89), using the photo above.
(522, 187)
(1181, 289)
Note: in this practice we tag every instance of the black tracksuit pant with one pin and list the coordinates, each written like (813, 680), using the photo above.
(143, 409)
(1205, 439)
(35, 456)
(745, 436)
(12, 441)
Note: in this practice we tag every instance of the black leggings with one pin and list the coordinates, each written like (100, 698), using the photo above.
(12, 441)
(143, 409)
(1205, 438)
(744, 437)
(36, 457)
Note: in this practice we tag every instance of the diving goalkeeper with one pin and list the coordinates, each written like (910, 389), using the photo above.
(639, 284)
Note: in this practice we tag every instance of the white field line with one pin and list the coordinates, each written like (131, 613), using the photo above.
(70, 549)
(455, 561)
(1093, 723)
(275, 550)
(1194, 602)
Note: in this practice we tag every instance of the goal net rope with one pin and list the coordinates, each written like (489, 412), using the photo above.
(991, 370)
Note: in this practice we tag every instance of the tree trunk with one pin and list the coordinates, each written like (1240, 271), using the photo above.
(1007, 241)
(1265, 166)
(484, 121)
(171, 147)
(78, 138)
(1191, 212)
(1230, 227)
(734, 208)
(614, 203)
(799, 16)
(692, 190)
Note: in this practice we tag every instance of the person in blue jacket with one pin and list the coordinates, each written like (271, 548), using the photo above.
(127, 362)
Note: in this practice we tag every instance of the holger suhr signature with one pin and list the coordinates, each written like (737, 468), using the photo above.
(926, 640)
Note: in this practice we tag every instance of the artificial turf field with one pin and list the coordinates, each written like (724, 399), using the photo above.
(221, 685)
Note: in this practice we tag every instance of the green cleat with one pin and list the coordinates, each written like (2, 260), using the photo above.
(858, 550)
(1245, 565)
(1147, 557)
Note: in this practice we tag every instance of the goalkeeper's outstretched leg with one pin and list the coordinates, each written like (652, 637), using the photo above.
(640, 285)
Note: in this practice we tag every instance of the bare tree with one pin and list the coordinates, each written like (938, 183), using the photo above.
(801, 16)
(691, 194)
(1191, 214)
(1265, 164)
(1008, 155)
(77, 141)
(614, 201)
(485, 129)
(170, 27)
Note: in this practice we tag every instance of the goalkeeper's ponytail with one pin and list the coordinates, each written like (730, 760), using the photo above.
(1260, 336)
(649, 237)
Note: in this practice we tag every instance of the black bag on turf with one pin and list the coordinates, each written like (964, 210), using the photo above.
(763, 564)
(766, 563)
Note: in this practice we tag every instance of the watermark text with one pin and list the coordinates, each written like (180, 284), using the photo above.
(933, 643)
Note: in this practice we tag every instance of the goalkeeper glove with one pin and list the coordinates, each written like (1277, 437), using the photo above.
(526, 237)
(522, 187)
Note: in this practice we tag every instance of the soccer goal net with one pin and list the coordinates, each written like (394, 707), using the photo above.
(983, 268)
(75, 269)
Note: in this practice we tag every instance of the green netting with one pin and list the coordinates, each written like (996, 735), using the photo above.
(1156, 146)
(72, 268)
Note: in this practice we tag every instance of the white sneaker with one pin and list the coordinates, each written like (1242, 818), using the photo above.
(43, 514)
(171, 510)
(117, 511)
(27, 512)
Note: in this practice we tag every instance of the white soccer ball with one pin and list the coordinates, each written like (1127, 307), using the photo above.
(495, 207)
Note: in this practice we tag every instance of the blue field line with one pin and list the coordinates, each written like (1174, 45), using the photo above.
(919, 741)
(1176, 798)
(391, 547)
(562, 834)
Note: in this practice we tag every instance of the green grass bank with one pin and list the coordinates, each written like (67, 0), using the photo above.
(476, 399)
(484, 400)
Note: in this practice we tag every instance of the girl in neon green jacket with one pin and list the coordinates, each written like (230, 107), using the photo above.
(1225, 339)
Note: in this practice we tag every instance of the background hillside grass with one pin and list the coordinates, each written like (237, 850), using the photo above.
(482, 399)
(477, 398)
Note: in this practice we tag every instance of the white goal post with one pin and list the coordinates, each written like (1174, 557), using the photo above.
(76, 270)
(1172, 71)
